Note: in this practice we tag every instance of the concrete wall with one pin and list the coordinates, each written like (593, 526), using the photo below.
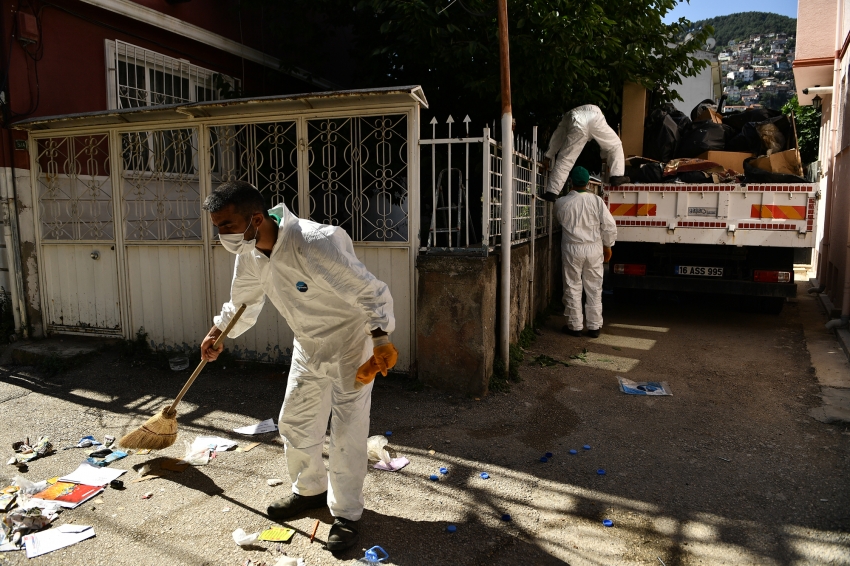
(457, 316)
(694, 90)
(814, 38)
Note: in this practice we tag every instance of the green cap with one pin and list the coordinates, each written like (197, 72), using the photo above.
(579, 176)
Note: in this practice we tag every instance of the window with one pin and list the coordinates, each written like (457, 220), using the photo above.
(140, 77)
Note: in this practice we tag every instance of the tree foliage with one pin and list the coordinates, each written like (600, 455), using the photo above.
(563, 52)
(808, 122)
(744, 24)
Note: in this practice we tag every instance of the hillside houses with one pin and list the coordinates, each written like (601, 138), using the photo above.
(757, 70)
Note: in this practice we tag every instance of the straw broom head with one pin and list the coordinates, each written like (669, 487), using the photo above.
(160, 431)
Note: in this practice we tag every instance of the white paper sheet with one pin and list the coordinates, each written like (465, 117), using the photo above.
(259, 428)
(54, 539)
(90, 475)
(221, 444)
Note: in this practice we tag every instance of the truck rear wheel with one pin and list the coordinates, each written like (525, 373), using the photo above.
(771, 305)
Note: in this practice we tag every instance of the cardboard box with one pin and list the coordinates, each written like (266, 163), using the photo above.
(710, 115)
(733, 160)
(787, 162)
(635, 103)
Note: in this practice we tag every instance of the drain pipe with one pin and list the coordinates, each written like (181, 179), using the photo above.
(533, 215)
(836, 93)
(507, 184)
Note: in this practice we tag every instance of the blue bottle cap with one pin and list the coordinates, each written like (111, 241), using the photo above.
(544, 459)
(434, 477)
(608, 522)
(587, 446)
(451, 528)
(573, 451)
(444, 471)
(549, 454)
(388, 433)
(601, 472)
(484, 475)
(506, 517)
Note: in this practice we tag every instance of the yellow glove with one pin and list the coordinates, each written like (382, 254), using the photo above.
(606, 254)
(384, 357)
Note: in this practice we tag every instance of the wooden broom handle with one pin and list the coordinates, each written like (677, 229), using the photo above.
(201, 365)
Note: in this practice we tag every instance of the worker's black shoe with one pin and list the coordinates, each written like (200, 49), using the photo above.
(293, 504)
(594, 332)
(549, 197)
(567, 330)
(343, 535)
(617, 180)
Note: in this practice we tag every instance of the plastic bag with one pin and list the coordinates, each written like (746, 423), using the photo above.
(242, 538)
(375, 448)
(197, 453)
(27, 487)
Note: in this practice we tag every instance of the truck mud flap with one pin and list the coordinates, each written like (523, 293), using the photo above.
(695, 285)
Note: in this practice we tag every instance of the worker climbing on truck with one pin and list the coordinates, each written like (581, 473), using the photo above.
(588, 233)
(577, 127)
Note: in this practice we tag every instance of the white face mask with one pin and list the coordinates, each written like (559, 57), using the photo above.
(236, 244)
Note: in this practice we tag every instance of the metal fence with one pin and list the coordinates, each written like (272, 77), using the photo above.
(461, 190)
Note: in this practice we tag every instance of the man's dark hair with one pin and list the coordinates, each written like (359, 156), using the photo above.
(242, 195)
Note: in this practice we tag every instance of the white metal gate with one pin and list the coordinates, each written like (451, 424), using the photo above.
(125, 246)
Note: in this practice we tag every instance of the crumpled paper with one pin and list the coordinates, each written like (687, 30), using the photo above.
(242, 538)
(376, 451)
(25, 453)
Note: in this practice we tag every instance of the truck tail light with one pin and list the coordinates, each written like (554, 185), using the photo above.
(629, 269)
(763, 276)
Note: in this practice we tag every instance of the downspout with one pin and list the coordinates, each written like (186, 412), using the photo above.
(533, 225)
(507, 185)
(836, 94)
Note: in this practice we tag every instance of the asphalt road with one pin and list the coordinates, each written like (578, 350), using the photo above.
(731, 469)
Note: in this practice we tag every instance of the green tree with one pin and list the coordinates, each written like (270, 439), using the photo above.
(563, 52)
(808, 122)
(744, 24)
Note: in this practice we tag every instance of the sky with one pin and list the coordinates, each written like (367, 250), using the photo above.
(702, 9)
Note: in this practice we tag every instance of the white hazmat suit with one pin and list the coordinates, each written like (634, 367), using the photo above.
(577, 127)
(331, 302)
(587, 226)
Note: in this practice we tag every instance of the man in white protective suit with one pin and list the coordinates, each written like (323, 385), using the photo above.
(341, 316)
(589, 232)
(577, 127)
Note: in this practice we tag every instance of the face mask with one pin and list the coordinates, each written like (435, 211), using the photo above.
(236, 244)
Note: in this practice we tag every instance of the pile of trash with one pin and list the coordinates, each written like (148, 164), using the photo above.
(757, 145)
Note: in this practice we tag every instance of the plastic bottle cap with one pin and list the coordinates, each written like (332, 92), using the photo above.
(587, 446)
(506, 517)
(549, 454)
(434, 477)
(600, 472)
(444, 471)
(544, 459)
(608, 522)
(388, 433)
(484, 475)
(451, 528)
(573, 451)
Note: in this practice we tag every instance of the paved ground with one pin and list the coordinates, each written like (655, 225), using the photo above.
(730, 470)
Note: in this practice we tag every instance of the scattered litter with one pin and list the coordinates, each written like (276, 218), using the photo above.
(608, 522)
(90, 475)
(586, 446)
(451, 528)
(259, 428)
(84, 442)
(431, 452)
(116, 484)
(630, 387)
(395, 464)
(101, 453)
(116, 455)
(824, 500)
(388, 433)
(289, 561)
(277, 534)
(375, 448)
(435, 477)
(26, 487)
(25, 452)
(662, 562)
(178, 363)
(242, 538)
(67, 494)
(444, 471)
(197, 453)
(544, 459)
(506, 517)
(173, 465)
(148, 495)
(374, 555)
(7, 498)
(54, 539)
(143, 451)
(484, 475)
(226, 510)
(573, 451)
(12, 461)
(315, 528)
(22, 520)
(108, 440)
(247, 448)
(274, 481)
(549, 454)
(600, 472)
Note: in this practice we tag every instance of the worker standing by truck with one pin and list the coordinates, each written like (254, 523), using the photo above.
(589, 232)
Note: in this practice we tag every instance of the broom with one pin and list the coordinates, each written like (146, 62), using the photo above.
(160, 431)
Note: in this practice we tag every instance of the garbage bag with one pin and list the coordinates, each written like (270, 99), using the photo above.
(755, 175)
(759, 137)
(646, 173)
(704, 136)
(375, 448)
(739, 119)
(660, 136)
(702, 107)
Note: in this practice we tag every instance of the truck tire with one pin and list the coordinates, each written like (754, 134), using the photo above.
(771, 305)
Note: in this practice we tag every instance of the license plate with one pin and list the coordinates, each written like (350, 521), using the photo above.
(696, 270)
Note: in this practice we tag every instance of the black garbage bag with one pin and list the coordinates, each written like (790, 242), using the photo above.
(679, 117)
(702, 107)
(756, 175)
(758, 137)
(739, 119)
(660, 136)
(646, 173)
(704, 136)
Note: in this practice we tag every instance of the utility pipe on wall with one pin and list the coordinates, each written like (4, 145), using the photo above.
(836, 94)
(507, 184)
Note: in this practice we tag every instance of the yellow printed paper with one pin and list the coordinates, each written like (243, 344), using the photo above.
(277, 534)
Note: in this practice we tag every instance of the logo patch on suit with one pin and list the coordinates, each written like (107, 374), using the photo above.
(301, 286)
